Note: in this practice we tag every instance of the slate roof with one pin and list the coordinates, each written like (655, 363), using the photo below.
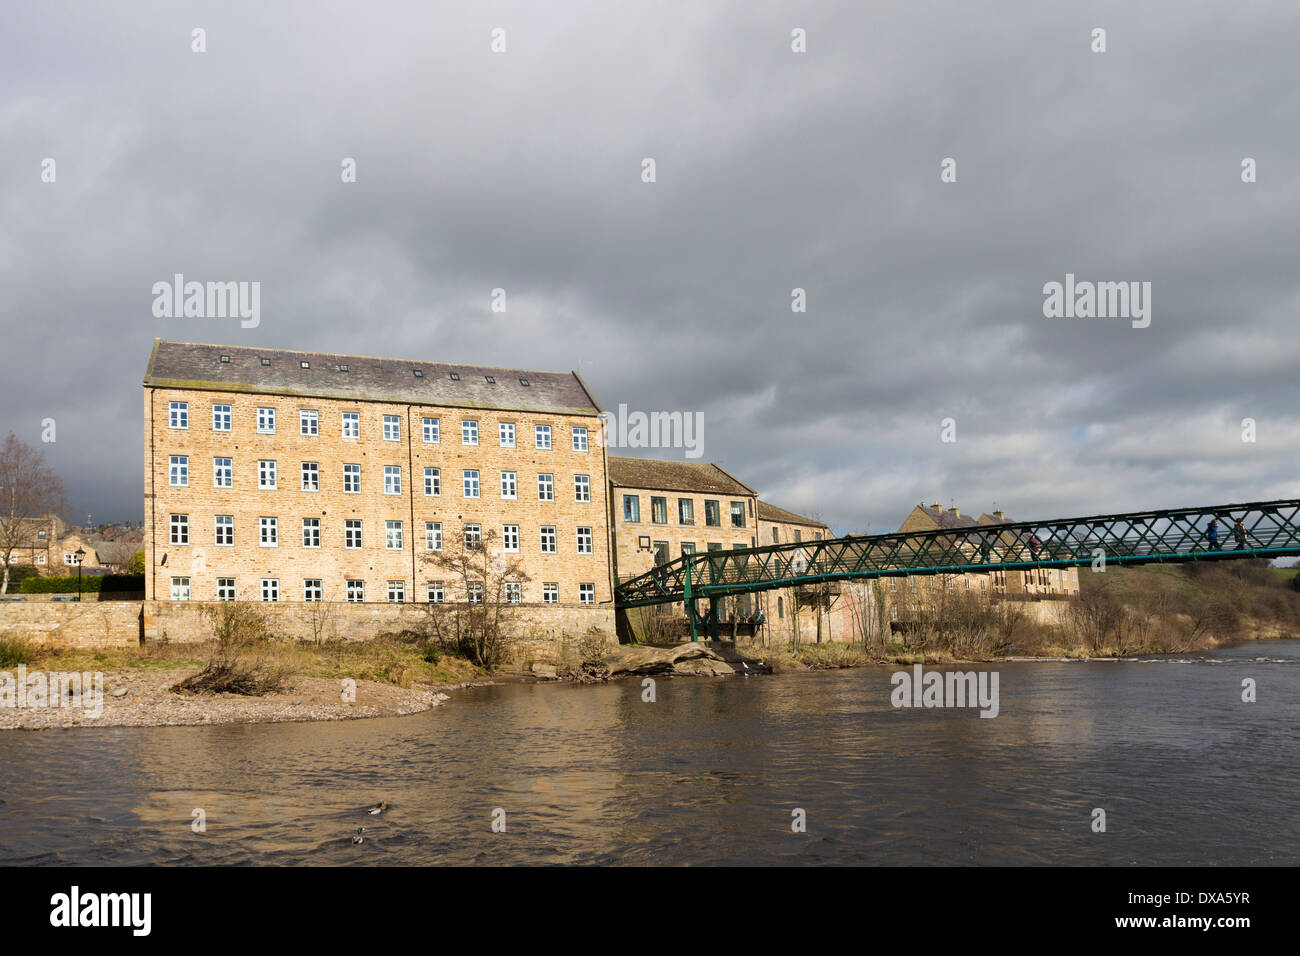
(190, 365)
(770, 512)
(691, 476)
(946, 519)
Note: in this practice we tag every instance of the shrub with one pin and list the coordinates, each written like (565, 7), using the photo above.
(15, 650)
(90, 584)
(240, 632)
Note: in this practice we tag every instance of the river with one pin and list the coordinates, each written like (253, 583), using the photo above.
(709, 773)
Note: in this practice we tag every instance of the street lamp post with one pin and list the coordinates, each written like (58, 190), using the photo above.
(79, 554)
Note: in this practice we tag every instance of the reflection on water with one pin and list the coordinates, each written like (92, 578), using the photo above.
(1186, 772)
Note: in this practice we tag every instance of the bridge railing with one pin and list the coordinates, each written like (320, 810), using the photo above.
(1267, 528)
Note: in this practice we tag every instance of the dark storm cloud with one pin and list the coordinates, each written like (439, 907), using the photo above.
(775, 171)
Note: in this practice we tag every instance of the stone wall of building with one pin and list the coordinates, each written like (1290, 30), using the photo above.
(199, 562)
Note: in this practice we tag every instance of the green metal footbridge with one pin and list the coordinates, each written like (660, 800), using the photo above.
(1259, 529)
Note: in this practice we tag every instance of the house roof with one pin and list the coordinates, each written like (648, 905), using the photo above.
(770, 512)
(694, 476)
(190, 365)
(115, 552)
(944, 519)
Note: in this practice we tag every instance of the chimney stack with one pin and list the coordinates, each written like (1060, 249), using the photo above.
(954, 511)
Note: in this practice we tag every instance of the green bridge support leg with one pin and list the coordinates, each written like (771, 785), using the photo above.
(689, 605)
(713, 618)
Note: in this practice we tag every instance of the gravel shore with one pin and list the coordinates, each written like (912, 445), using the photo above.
(145, 700)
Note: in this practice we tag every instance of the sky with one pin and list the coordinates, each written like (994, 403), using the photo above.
(774, 170)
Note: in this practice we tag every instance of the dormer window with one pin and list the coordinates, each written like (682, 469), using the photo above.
(418, 373)
(225, 359)
(455, 377)
(304, 364)
(490, 379)
(523, 382)
(266, 361)
(343, 368)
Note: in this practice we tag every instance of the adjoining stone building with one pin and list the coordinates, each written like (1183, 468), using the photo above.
(911, 596)
(283, 476)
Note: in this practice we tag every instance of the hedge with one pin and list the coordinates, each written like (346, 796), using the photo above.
(90, 584)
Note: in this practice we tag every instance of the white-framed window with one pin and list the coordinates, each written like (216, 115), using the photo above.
(392, 479)
(225, 589)
(548, 539)
(582, 488)
(433, 536)
(69, 559)
(542, 436)
(180, 529)
(509, 485)
(312, 590)
(550, 592)
(221, 418)
(514, 592)
(265, 421)
(470, 482)
(473, 537)
(580, 439)
(308, 422)
(510, 537)
(351, 425)
(178, 414)
(435, 592)
(352, 533)
(180, 589)
(474, 593)
(392, 428)
(545, 487)
(310, 476)
(393, 535)
(432, 482)
(178, 471)
(396, 592)
(40, 559)
(586, 541)
(225, 530)
(469, 432)
(223, 473)
(506, 434)
(268, 532)
(352, 479)
(270, 590)
(355, 590)
(587, 593)
(432, 429)
(266, 474)
(311, 532)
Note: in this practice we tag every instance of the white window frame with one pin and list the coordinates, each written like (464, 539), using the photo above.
(223, 418)
(545, 486)
(510, 485)
(308, 422)
(356, 476)
(433, 536)
(226, 522)
(220, 471)
(178, 526)
(585, 531)
(582, 489)
(542, 437)
(469, 431)
(178, 471)
(311, 476)
(392, 479)
(431, 431)
(311, 532)
(267, 468)
(352, 419)
(392, 428)
(178, 415)
(470, 486)
(547, 534)
(580, 442)
(510, 538)
(265, 420)
(353, 538)
(394, 535)
(506, 434)
(268, 531)
(433, 482)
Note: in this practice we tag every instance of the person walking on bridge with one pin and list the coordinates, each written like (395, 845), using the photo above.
(1239, 532)
(1212, 534)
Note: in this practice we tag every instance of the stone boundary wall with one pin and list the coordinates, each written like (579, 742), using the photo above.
(72, 624)
(547, 634)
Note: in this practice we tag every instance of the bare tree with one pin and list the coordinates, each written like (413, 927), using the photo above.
(483, 587)
(28, 489)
